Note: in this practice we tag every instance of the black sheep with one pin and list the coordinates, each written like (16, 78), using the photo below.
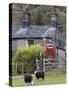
(39, 74)
(28, 78)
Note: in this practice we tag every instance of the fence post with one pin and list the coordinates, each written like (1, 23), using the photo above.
(22, 68)
(44, 64)
(16, 68)
(37, 65)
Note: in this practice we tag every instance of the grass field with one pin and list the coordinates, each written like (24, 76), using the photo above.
(50, 78)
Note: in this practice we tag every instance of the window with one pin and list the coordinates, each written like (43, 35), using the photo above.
(30, 42)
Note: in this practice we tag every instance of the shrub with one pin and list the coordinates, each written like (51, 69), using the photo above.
(27, 56)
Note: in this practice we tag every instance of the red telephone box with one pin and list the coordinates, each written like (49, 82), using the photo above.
(50, 52)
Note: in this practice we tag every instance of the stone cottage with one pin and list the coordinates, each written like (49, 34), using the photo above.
(27, 34)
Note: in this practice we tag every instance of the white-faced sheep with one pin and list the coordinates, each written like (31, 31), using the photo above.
(28, 79)
(39, 74)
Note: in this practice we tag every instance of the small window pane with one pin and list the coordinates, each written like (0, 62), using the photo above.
(30, 42)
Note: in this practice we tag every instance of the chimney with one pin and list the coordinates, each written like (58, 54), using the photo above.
(54, 17)
(25, 19)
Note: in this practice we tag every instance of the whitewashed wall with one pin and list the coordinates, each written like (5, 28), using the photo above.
(39, 41)
(18, 44)
(14, 45)
(22, 43)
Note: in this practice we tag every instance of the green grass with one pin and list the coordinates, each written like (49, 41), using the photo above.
(50, 78)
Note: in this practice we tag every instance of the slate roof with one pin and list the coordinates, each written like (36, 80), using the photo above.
(33, 32)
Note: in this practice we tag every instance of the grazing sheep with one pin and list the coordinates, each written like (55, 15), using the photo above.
(39, 74)
(28, 78)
